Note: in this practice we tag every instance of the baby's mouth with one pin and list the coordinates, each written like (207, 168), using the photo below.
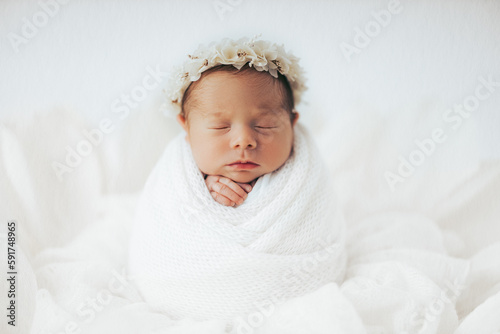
(242, 164)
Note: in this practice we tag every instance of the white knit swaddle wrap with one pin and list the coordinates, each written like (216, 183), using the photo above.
(193, 257)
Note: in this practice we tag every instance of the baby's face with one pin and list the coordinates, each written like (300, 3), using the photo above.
(232, 120)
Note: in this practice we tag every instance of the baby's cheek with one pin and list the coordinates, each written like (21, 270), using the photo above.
(202, 158)
(268, 139)
(210, 157)
(277, 153)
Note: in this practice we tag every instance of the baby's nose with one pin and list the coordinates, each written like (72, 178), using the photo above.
(244, 140)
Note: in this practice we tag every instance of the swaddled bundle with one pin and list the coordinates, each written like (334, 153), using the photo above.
(193, 257)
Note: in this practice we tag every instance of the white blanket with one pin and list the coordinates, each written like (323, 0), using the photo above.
(399, 277)
(193, 257)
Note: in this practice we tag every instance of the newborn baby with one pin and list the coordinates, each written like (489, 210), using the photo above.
(277, 234)
(239, 124)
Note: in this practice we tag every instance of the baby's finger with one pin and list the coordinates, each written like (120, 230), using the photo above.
(234, 187)
(210, 181)
(246, 186)
(227, 192)
(221, 199)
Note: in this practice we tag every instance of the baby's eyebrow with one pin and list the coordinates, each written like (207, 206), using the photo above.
(213, 114)
(208, 114)
(263, 111)
(267, 110)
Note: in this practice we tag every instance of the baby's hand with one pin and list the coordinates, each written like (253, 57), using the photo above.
(227, 192)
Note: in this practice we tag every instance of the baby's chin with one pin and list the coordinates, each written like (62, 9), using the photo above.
(242, 177)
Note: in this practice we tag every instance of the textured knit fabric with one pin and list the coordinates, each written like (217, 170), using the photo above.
(193, 257)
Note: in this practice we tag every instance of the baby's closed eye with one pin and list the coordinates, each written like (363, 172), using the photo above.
(259, 126)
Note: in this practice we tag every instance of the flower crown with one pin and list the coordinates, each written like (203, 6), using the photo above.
(262, 55)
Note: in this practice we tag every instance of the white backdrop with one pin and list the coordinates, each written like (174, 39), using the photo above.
(87, 53)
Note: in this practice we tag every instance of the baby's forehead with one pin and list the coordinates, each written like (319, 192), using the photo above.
(218, 94)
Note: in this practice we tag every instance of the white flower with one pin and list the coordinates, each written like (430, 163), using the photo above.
(262, 55)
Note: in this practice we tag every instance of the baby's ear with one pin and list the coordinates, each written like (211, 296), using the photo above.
(296, 115)
(182, 121)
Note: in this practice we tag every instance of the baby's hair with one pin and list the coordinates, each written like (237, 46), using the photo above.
(285, 91)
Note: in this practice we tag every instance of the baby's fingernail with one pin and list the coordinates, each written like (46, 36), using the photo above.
(233, 204)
